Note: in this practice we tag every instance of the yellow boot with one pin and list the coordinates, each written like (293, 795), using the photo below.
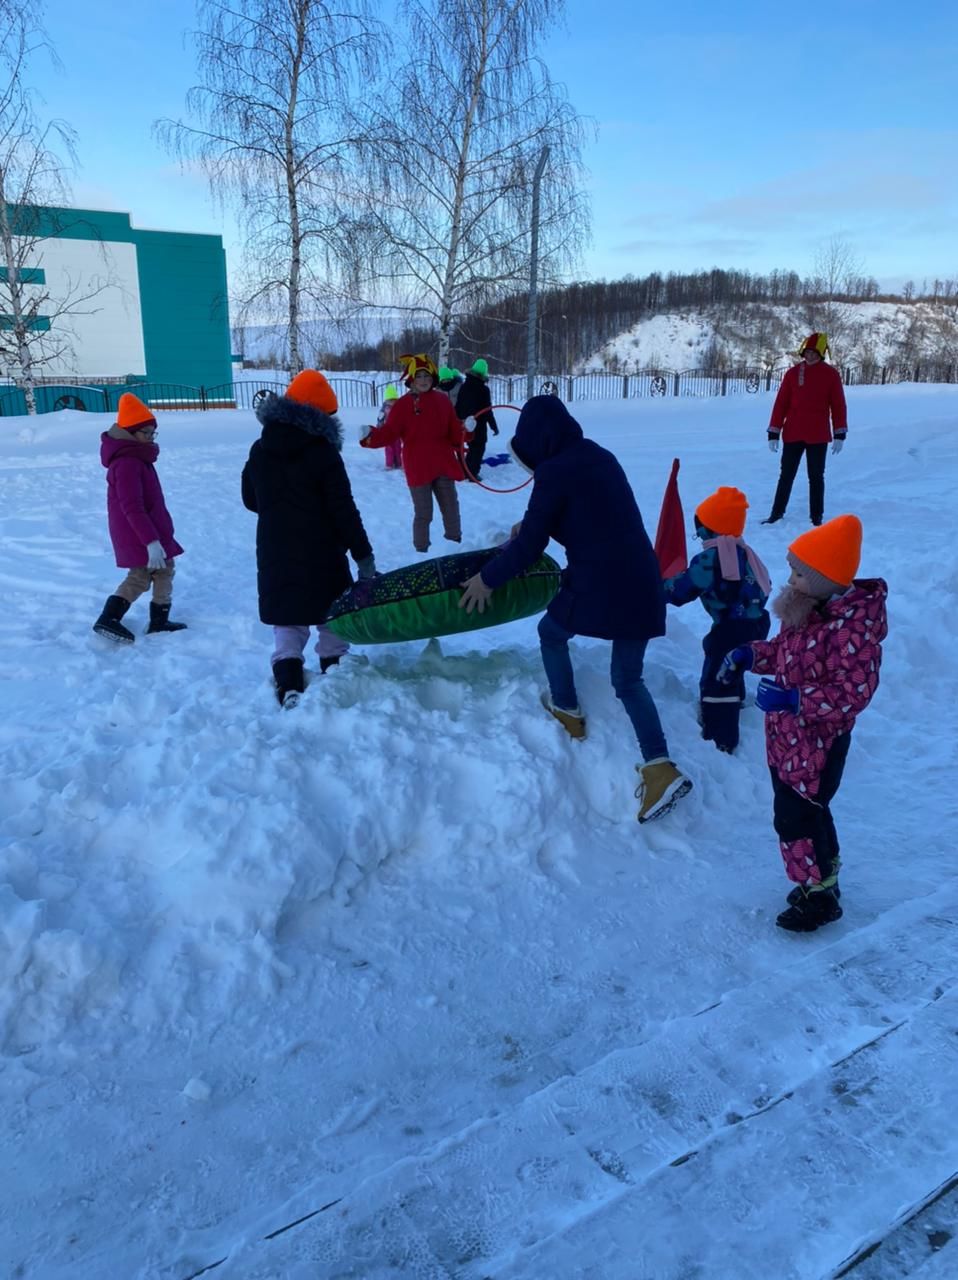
(660, 788)
(572, 721)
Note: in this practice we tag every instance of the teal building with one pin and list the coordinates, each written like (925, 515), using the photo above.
(158, 311)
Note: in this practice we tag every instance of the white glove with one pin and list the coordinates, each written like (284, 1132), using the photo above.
(157, 556)
(773, 445)
(364, 431)
(837, 445)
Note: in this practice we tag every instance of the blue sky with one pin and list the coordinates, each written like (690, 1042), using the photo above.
(735, 135)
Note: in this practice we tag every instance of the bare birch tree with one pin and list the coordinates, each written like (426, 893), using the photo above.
(836, 270)
(268, 125)
(34, 319)
(451, 150)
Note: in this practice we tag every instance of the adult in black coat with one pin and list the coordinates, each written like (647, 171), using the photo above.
(473, 398)
(297, 484)
(611, 586)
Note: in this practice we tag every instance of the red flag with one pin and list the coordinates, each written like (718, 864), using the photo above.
(670, 545)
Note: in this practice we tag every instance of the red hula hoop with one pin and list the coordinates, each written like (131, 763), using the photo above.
(474, 479)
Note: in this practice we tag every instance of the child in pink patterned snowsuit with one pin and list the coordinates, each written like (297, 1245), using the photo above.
(823, 671)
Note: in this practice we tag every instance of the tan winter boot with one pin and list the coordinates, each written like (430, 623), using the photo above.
(660, 788)
(572, 721)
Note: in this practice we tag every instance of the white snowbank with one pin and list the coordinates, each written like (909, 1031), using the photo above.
(406, 948)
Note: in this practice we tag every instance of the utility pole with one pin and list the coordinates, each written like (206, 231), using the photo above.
(532, 361)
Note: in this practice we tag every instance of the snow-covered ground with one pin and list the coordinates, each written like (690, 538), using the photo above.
(671, 340)
(399, 971)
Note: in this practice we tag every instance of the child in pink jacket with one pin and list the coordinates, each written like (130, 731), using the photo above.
(821, 672)
(141, 529)
(394, 450)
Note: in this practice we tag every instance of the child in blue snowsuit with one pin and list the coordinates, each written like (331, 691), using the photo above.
(733, 585)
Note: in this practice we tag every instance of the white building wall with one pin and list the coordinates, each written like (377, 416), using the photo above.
(105, 333)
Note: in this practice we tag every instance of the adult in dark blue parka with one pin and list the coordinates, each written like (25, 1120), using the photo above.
(611, 586)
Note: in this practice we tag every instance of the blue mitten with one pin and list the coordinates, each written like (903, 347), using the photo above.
(739, 659)
(776, 697)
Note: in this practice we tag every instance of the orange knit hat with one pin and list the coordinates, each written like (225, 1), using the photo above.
(723, 511)
(311, 387)
(132, 413)
(834, 550)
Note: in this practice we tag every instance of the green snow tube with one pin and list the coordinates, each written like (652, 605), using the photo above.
(421, 600)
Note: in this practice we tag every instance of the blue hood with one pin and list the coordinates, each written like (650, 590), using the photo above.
(546, 427)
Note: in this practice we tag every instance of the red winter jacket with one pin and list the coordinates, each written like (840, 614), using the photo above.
(810, 394)
(833, 661)
(431, 435)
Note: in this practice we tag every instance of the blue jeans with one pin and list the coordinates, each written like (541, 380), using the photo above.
(626, 674)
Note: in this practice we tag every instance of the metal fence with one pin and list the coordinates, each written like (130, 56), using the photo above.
(51, 397)
(355, 393)
(633, 386)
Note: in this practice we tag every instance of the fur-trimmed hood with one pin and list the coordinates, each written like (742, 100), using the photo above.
(286, 422)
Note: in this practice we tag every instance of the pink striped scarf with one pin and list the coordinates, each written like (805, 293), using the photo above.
(728, 560)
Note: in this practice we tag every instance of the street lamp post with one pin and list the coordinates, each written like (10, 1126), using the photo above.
(532, 363)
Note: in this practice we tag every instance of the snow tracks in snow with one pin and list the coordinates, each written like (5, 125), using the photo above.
(656, 1163)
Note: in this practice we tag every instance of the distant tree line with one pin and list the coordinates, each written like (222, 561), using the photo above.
(576, 320)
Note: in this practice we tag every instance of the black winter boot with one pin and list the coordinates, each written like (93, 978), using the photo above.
(160, 619)
(798, 893)
(108, 624)
(326, 663)
(814, 910)
(288, 674)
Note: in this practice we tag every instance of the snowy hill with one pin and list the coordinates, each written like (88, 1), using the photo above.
(760, 334)
(394, 985)
(754, 334)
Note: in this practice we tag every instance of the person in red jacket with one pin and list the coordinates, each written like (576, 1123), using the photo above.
(809, 411)
(432, 442)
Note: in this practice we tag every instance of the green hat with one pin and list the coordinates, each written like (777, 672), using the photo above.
(390, 393)
(480, 367)
(446, 374)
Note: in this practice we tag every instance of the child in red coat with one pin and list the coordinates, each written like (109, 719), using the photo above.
(432, 441)
(822, 671)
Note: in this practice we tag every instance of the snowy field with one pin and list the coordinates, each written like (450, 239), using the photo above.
(394, 984)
